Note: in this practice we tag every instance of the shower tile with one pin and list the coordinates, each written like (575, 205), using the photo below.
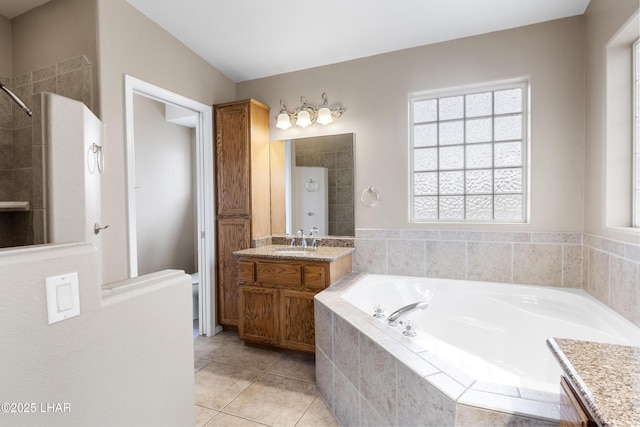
(446, 260)
(475, 236)
(632, 252)
(262, 401)
(20, 119)
(374, 233)
(22, 80)
(419, 235)
(6, 149)
(572, 266)
(71, 85)
(624, 284)
(6, 118)
(44, 73)
(489, 261)
(537, 264)
(370, 256)
(346, 352)
(6, 184)
(38, 178)
(420, 403)
(613, 247)
(22, 185)
(45, 85)
(72, 64)
(38, 226)
(22, 148)
(557, 238)
(380, 389)
(406, 257)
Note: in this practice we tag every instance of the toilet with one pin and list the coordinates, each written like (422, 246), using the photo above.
(195, 281)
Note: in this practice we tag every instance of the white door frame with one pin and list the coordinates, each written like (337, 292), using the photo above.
(204, 191)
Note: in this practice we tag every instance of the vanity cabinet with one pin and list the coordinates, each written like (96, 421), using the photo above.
(572, 411)
(243, 196)
(277, 297)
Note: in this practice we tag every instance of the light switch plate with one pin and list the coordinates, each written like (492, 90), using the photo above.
(63, 297)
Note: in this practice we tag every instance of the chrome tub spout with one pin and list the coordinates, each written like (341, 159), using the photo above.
(395, 317)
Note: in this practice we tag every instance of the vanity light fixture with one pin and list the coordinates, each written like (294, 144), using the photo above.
(307, 114)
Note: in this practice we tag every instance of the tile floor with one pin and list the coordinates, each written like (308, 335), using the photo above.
(238, 385)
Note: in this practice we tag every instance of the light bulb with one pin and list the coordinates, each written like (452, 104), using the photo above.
(283, 121)
(324, 116)
(304, 119)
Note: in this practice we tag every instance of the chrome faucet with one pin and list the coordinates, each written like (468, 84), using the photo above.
(303, 240)
(313, 233)
(395, 317)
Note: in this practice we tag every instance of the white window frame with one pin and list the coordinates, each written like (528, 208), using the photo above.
(524, 85)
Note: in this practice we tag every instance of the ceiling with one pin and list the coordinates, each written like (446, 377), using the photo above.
(250, 39)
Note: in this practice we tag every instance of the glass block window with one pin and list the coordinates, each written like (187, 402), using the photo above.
(468, 155)
(636, 134)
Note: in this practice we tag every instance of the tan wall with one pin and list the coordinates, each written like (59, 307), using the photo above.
(375, 93)
(5, 47)
(603, 19)
(129, 43)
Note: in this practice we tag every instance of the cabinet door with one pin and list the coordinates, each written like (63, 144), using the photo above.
(233, 177)
(572, 412)
(233, 235)
(258, 315)
(297, 327)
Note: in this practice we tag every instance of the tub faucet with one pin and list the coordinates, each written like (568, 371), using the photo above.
(395, 317)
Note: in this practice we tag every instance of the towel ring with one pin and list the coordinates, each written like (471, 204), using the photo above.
(369, 197)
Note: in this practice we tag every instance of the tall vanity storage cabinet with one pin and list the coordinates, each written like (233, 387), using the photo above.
(242, 193)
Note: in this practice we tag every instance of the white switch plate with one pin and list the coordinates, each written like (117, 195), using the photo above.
(63, 297)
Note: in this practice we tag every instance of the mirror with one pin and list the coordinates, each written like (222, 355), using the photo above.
(312, 185)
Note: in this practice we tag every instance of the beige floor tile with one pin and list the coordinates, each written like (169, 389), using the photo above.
(199, 363)
(204, 415)
(238, 354)
(226, 420)
(274, 400)
(203, 346)
(296, 366)
(318, 415)
(217, 384)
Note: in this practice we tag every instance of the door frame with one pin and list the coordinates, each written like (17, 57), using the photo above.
(205, 191)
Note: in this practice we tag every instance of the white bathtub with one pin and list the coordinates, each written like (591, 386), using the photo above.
(495, 333)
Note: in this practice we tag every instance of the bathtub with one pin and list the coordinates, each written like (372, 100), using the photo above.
(482, 346)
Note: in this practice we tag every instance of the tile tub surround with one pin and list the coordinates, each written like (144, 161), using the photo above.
(607, 269)
(369, 377)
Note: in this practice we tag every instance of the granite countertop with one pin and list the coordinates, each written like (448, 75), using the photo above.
(322, 253)
(606, 376)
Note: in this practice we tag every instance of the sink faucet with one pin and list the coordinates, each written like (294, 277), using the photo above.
(313, 233)
(395, 317)
(303, 240)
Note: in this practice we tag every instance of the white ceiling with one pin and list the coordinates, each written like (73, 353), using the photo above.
(249, 39)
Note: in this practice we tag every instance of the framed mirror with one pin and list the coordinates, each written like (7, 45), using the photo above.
(312, 185)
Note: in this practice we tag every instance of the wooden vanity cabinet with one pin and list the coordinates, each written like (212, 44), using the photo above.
(242, 193)
(276, 299)
(572, 411)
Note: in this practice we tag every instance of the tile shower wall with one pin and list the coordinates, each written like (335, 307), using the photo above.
(607, 269)
(22, 160)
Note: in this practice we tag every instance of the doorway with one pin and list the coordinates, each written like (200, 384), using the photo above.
(199, 116)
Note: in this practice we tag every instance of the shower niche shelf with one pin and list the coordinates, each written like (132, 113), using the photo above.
(14, 206)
